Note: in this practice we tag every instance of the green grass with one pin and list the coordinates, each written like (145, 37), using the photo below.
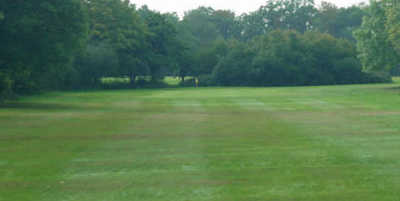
(331, 143)
(396, 79)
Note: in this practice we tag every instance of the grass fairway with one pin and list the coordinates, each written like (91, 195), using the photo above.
(337, 143)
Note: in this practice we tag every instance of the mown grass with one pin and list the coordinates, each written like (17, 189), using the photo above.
(231, 144)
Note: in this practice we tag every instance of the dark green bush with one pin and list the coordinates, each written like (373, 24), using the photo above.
(288, 58)
(189, 82)
(206, 80)
(5, 86)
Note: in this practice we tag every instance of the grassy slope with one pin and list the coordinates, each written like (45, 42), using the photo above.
(228, 144)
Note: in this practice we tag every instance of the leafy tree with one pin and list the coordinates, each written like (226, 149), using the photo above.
(73, 44)
(279, 14)
(252, 25)
(289, 58)
(39, 42)
(200, 24)
(198, 31)
(232, 70)
(5, 86)
(289, 14)
(339, 22)
(281, 62)
(99, 60)
(207, 58)
(376, 51)
(118, 24)
(326, 21)
(163, 44)
(393, 23)
(334, 60)
(226, 23)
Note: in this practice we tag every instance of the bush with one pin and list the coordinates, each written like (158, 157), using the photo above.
(149, 83)
(206, 80)
(395, 71)
(234, 69)
(189, 82)
(377, 77)
(5, 86)
(98, 61)
(287, 58)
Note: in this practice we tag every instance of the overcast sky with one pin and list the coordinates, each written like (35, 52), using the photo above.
(239, 6)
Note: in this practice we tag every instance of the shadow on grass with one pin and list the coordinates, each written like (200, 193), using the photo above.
(38, 106)
(393, 89)
(396, 88)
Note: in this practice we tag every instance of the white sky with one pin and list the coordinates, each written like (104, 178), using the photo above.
(239, 6)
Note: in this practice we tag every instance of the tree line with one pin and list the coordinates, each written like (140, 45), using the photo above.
(64, 45)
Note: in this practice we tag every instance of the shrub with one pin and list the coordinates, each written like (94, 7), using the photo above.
(288, 58)
(5, 86)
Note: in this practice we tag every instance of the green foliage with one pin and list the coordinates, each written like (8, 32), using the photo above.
(339, 22)
(393, 23)
(395, 71)
(227, 25)
(163, 43)
(199, 23)
(279, 14)
(5, 86)
(376, 50)
(118, 24)
(289, 14)
(234, 69)
(203, 32)
(207, 58)
(87, 40)
(39, 42)
(99, 60)
(293, 59)
(143, 41)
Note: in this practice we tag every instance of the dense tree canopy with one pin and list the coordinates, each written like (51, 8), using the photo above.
(375, 40)
(279, 14)
(39, 41)
(162, 42)
(393, 23)
(115, 25)
(290, 58)
(54, 44)
(339, 22)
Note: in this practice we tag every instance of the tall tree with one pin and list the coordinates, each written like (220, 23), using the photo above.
(393, 23)
(289, 14)
(376, 51)
(117, 24)
(279, 14)
(162, 40)
(339, 22)
(199, 23)
(226, 24)
(39, 42)
(252, 25)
